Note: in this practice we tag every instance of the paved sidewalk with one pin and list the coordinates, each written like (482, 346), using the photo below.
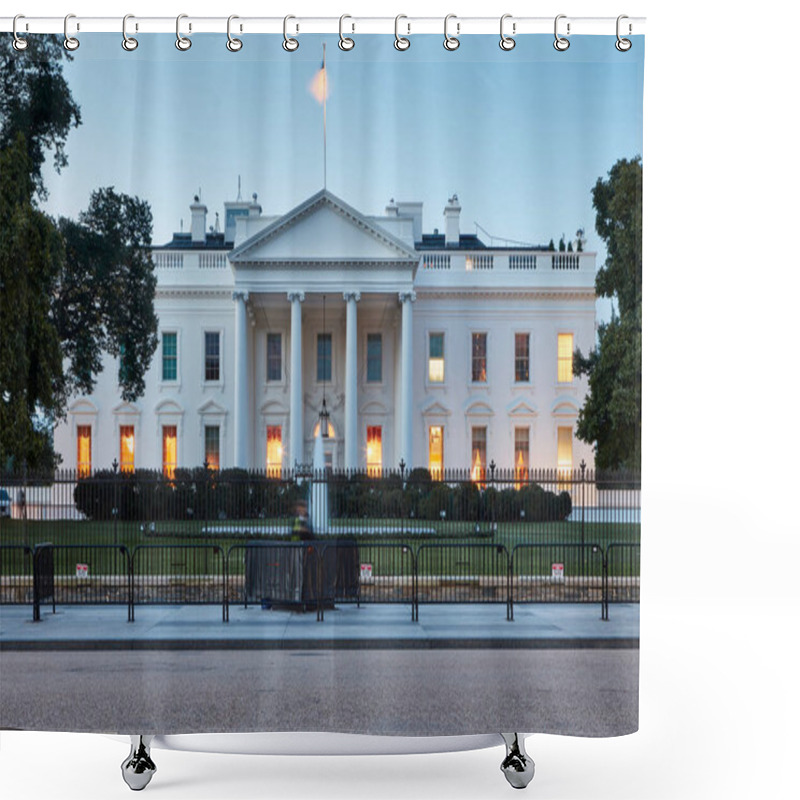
(540, 626)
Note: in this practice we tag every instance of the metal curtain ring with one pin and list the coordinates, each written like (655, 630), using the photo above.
(400, 42)
(70, 42)
(20, 44)
(345, 43)
(289, 44)
(128, 42)
(451, 42)
(623, 45)
(233, 44)
(561, 44)
(506, 42)
(182, 42)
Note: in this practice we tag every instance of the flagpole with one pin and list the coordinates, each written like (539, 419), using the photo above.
(324, 123)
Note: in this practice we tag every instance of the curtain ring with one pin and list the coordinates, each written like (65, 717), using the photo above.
(345, 42)
(20, 44)
(506, 42)
(400, 42)
(623, 45)
(128, 42)
(561, 44)
(70, 42)
(289, 44)
(451, 42)
(182, 42)
(233, 44)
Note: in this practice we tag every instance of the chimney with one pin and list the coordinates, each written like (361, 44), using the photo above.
(452, 213)
(199, 212)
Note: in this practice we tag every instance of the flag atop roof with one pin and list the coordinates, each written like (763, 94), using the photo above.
(319, 83)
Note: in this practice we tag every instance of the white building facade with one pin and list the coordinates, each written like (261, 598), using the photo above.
(431, 349)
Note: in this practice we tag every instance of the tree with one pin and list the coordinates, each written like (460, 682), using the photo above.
(35, 100)
(68, 291)
(611, 415)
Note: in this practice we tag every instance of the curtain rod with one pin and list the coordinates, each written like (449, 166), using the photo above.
(406, 25)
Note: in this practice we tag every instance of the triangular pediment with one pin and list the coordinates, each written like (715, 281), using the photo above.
(211, 407)
(323, 229)
(522, 409)
(435, 409)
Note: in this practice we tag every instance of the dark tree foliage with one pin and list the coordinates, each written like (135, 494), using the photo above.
(105, 302)
(68, 292)
(611, 415)
(35, 100)
(32, 386)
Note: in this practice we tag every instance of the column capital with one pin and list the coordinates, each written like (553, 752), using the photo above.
(239, 295)
(292, 296)
(407, 296)
(351, 296)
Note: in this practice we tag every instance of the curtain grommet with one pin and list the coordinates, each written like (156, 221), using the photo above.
(507, 42)
(289, 43)
(19, 44)
(561, 43)
(401, 43)
(345, 42)
(183, 43)
(233, 44)
(622, 44)
(71, 43)
(128, 42)
(451, 43)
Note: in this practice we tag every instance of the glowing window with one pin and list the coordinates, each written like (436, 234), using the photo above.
(521, 456)
(274, 450)
(478, 472)
(436, 358)
(84, 450)
(374, 450)
(127, 446)
(565, 358)
(564, 452)
(479, 358)
(522, 357)
(212, 446)
(169, 450)
(169, 356)
(436, 451)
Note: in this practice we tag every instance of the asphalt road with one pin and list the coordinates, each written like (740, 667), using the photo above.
(591, 692)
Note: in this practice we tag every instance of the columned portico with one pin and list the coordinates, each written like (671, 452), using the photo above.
(351, 460)
(406, 378)
(241, 395)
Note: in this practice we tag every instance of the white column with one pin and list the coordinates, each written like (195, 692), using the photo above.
(407, 379)
(241, 404)
(296, 388)
(351, 382)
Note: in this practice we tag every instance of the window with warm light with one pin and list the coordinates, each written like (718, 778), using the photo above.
(324, 350)
(212, 447)
(522, 357)
(212, 356)
(169, 450)
(169, 356)
(478, 471)
(479, 358)
(436, 451)
(127, 446)
(564, 452)
(374, 358)
(521, 456)
(374, 451)
(84, 450)
(565, 358)
(274, 357)
(274, 450)
(436, 358)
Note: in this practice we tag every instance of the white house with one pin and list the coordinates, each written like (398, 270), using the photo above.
(434, 349)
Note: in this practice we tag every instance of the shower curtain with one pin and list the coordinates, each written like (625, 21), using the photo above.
(321, 378)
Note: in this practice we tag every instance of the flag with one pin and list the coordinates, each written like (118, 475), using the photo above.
(319, 83)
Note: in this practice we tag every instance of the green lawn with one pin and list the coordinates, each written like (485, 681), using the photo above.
(170, 554)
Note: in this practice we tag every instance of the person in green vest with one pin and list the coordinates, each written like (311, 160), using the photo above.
(301, 530)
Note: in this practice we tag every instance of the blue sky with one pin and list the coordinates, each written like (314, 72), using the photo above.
(520, 136)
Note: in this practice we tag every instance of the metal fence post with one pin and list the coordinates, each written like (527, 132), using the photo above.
(115, 509)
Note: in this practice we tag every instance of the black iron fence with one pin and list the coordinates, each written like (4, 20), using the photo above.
(401, 536)
(317, 574)
(230, 506)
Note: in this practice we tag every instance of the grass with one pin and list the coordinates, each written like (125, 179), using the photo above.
(99, 540)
